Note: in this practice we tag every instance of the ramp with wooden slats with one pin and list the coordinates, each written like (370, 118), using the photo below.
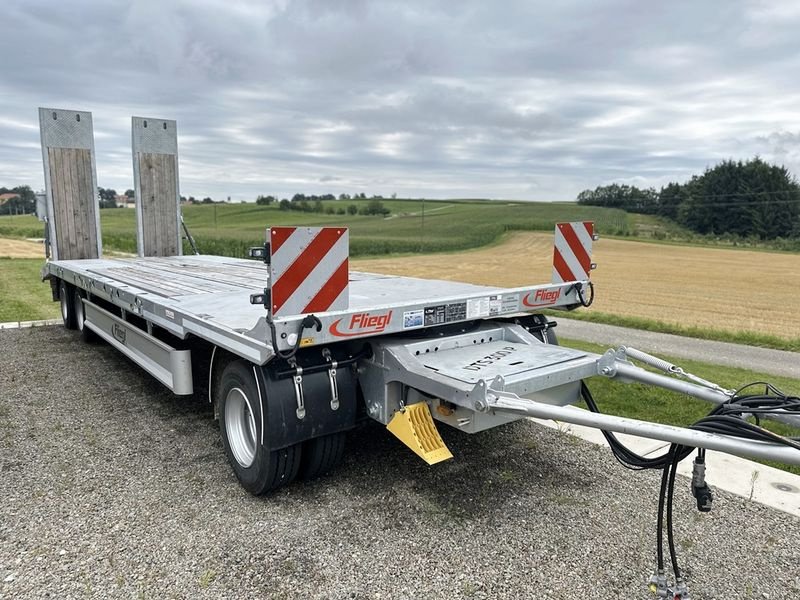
(71, 183)
(155, 176)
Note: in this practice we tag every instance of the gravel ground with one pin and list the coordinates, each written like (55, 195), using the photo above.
(112, 487)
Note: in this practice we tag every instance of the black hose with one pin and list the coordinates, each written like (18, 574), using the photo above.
(660, 522)
(673, 469)
(727, 419)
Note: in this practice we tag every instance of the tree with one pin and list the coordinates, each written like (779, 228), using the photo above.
(207, 200)
(285, 204)
(352, 209)
(374, 207)
(318, 208)
(670, 199)
(752, 198)
(108, 197)
(130, 193)
(265, 200)
(626, 197)
(23, 203)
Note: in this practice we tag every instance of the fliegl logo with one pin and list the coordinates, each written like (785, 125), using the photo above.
(546, 297)
(360, 324)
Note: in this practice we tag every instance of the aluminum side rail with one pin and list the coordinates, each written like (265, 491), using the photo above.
(407, 317)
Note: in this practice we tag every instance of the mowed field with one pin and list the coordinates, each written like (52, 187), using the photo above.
(11, 248)
(722, 289)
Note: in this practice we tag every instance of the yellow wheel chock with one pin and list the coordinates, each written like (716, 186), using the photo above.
(413, 425)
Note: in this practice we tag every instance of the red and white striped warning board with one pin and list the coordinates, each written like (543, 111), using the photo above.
(572, 251)
(308, 269)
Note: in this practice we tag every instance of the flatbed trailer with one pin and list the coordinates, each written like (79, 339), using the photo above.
(293, 349)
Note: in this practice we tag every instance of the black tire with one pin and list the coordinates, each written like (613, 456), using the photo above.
(87, 335)
(321, 455)
(258, 469)
(67, 299)
(548, 335)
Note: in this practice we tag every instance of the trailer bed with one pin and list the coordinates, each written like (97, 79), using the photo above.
(210, 296)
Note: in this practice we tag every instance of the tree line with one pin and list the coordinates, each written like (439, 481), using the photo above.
(313, 203)
(751, 198)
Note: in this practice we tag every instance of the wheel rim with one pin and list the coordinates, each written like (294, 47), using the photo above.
(79, 318)
(64, 306)
(240, 425)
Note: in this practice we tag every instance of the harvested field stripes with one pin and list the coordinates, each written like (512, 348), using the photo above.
(731, 290)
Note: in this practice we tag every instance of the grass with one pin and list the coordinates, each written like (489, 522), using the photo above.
(230, 229)
(639, 401)
(23, 296)
(748, 338)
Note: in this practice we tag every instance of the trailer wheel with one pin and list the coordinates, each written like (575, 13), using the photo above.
(87, 335)
(321, 455)
(241, 424)
(67, 304)
(547, 335)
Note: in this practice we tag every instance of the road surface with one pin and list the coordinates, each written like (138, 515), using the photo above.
(763, 360)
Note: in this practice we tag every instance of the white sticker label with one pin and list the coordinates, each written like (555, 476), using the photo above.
(479, 307)
(413, 318)
(495, 305)
(169, 314)
(510, 303)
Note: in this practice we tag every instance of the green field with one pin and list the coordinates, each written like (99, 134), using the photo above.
(230, 229)
(23, 295)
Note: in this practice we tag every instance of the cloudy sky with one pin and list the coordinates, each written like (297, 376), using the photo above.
(468, 98)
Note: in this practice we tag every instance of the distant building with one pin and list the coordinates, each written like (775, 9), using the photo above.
(125, 202)
(6, 197)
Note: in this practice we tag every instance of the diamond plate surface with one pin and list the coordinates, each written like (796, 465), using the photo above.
(66, 128)
(157, 136)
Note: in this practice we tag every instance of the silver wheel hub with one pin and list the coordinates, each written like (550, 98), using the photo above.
(240, 427)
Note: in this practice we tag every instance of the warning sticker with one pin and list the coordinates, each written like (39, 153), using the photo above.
(413, 318)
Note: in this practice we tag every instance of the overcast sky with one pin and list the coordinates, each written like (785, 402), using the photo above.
(528, 100)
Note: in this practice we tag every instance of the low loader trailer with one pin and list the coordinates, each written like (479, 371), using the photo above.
(293, 349)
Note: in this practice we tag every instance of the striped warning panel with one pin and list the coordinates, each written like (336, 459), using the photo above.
(308, 269)
(572, 251)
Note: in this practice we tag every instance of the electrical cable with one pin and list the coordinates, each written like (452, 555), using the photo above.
(307, 322)
(673, 469)
(729, 419)
(660, 522)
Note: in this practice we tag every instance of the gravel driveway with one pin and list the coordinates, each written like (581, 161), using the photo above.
(112, 487)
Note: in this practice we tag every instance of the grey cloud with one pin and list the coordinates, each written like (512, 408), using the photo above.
(526, 99)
